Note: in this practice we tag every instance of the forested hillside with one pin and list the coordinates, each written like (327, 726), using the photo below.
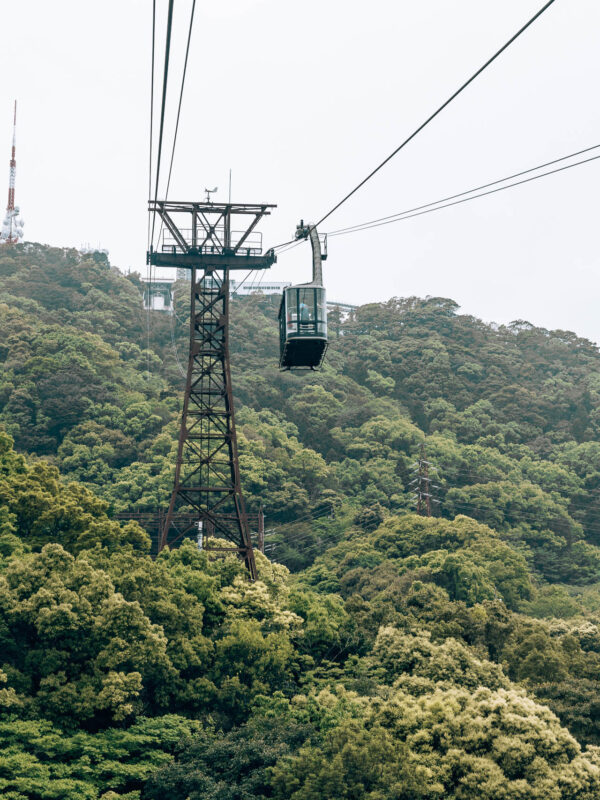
(381, 654)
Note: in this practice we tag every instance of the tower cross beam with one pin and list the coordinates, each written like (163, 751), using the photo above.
(201, 235)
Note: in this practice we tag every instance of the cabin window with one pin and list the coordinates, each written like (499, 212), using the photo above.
(305, 311)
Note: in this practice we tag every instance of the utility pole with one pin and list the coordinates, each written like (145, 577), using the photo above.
(12, 225)
(422, 495)
(200, 237)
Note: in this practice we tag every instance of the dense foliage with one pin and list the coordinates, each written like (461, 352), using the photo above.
(402, 657)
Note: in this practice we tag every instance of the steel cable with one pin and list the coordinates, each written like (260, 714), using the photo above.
(407, 215)
(162, 110)
(438, 111)
(394, 217)
(185, 63)
(149, 270)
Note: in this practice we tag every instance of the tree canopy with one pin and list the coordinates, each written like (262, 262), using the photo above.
(381, 654)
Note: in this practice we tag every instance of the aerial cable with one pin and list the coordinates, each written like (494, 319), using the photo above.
(149, 270)
(437, 205)
(394, 217)
(283, 244)
(151, 113)
(305, 518)
(464, 199)
(523, 516)
(296, 537)
(367, 227)
(438, 111)
(187, 52)
(174, 346)
(162, 110)
(280, 529)
(291, 245)
(237, 288)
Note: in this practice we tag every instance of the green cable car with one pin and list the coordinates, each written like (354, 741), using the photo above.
(303, 313)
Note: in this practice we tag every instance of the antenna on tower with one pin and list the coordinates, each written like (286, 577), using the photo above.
(12, 225)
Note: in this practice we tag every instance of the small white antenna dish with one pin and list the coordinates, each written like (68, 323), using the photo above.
(209, 192)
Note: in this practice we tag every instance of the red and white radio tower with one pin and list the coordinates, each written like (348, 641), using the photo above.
(12, 226)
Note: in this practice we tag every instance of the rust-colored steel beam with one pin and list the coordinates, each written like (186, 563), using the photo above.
(207, 472)
(203, 238)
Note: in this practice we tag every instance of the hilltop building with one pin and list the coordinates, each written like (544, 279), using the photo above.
(158, 293)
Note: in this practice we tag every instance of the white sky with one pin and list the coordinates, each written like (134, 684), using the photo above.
(302, 100)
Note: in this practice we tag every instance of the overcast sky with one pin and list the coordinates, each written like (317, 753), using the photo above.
(301, 101)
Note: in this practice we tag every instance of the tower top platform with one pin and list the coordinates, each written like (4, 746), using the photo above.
(210, 236)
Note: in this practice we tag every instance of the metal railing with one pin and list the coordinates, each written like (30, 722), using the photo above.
(251, 245)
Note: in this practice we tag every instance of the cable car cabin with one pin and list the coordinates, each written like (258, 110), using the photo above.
(302, 327)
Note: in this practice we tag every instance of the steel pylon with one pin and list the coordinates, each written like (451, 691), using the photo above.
(207, 471)
(207, 499)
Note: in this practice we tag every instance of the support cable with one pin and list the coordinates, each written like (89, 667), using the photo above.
(238, 287)
(174, 343)
(151, 113)
(438, 111)
(412, 211)
(149, 270)
(474, 197)
(293, 243)
(437, 205)
(185, 63)
(522, 516)
(162, 110)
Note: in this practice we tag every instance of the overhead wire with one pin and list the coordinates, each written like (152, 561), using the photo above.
(185, 64)
(174, 345)
(151, 115)
(283, 244)
(429, 119)
(162, 110)
(452, 473)
(239, 286)
(167, 51)
(293, 538)
(469, 507)
(295, 541)
(299, 537)
(304, 517)
(149, 269)
(401, 214)
(571, 506)
(290, 246)
(408, 215)
(523, 516)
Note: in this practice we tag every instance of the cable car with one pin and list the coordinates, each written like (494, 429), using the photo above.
(303, 313)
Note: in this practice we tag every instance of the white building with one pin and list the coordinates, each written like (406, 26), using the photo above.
(259, 287)
(158, 294)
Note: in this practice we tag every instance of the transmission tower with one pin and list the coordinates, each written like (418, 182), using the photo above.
(200, 237)
(423, 498)
(12, 225)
